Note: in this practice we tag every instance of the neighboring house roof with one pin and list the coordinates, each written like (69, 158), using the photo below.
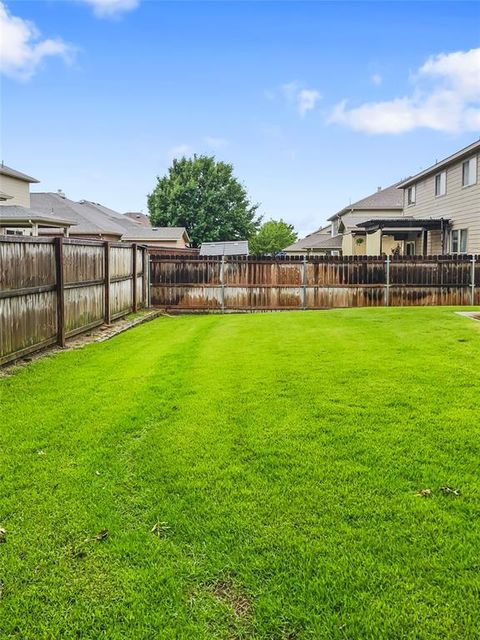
(139, 217)
(438, 166)
(227, 248)
(92, 218)
(165, 234)
(89, 219)
(101, 210)
(13, 173)
(313, 240)
(16, 214)
(383, 199)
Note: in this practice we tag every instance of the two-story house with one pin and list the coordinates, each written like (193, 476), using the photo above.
(16, 215)
(450, 191)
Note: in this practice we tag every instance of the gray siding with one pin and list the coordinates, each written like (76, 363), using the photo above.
(461, 205)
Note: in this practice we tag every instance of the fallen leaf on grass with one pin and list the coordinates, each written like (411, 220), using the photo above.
(425, 493)
(101, 535)
(160, 529)
(3, 535)
(449, 491)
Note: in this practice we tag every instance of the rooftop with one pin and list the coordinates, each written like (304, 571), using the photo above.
(455, 157)
(139, 217)
(389, 198)
(227, 248)
(16, 214)
(156, 233)
(13, 173)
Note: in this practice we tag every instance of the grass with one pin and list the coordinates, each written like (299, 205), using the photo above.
(258, 478)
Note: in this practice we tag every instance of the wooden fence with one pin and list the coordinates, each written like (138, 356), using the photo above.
(54, 288)
(254, 284)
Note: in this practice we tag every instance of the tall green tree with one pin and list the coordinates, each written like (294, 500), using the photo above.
(272, 237)
(203, 196)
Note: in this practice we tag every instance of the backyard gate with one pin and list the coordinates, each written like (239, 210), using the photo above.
(198, 283)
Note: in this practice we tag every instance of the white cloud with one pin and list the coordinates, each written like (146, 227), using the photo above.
(446, 97)
(304, 100)
(180, 151)
(111, 8)
(21, 49)
(307, 99)
(215, 143)
(376, 79)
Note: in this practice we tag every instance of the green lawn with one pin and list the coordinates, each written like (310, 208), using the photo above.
(279, 455)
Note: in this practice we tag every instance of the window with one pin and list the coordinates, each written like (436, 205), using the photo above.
(469, 172)
(411, 195)
(441, 184)
(410, 248)
(459, 241)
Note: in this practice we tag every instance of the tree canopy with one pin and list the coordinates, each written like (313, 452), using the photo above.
(203, 196)
(272, 237)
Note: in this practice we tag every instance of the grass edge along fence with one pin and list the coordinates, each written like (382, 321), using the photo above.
(222, 284)
(52, 289)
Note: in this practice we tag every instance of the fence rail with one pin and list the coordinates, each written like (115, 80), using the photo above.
(54, 288)
(249, 284)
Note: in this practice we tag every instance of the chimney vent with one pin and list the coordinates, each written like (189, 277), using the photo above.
(60, 193)
(379, 189)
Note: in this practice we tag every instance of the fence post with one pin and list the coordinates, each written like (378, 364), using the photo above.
(60, 291)
(222, 282)
(145, 257)
(134, 282)
(387, 281)
(473, 280)
(304, 283)
(106, 262)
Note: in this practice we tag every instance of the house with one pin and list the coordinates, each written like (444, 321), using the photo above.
(227, 248)
(319, 242)
(447, 192)
(97, 222)
(16, 215)
(165, 237)
(344, 236)
(15, 186)
(383, 204)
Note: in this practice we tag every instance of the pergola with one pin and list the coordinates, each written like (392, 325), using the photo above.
(399, 226)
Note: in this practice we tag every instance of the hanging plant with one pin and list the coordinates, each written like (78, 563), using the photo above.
(360, 240)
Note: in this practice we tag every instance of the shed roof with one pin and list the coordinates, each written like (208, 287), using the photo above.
(13, 173)
(227, 248)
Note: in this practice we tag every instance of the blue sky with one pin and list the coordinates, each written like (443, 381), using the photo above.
(98, 95)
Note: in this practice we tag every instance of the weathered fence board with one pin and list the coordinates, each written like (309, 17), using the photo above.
(193, 283)
(55, 288)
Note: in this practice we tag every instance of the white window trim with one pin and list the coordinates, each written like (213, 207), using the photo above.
(460, 232)
(472, 171)
(413, 190)
(444, 193)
